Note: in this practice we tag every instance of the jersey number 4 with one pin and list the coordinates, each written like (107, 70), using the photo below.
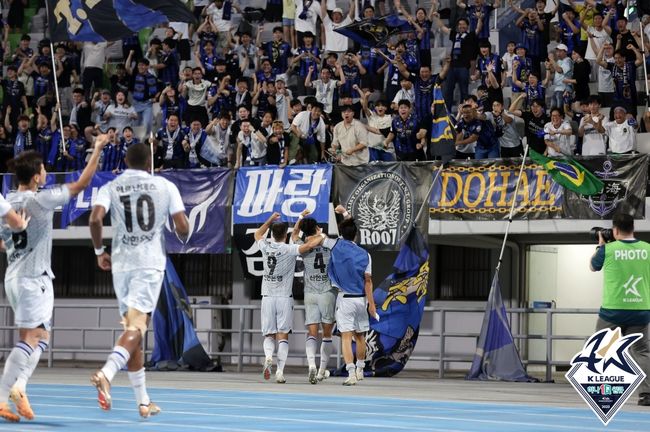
(20, 240)
(145, 225)
(319, 262)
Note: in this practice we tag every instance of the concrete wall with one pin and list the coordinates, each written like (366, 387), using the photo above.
(560, 273)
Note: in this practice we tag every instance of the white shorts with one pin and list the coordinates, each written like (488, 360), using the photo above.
(277, 315)
(138, 289)
(32, 300)
(319, 308)
(351, 314)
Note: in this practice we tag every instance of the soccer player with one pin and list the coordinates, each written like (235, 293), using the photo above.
(28, 279)
(320, 299)
(277, 300)
(350, 270)
(141, 204)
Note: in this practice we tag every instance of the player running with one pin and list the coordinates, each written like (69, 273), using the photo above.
(320, 299)
(28, 280)
(277, 298)
(141, 205)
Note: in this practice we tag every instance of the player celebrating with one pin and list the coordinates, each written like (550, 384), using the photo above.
(350, 271)
(277, 299)
(141, 204)
(28, 280)
(320, 299)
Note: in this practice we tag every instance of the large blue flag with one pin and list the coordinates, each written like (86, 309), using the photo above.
(375, 31)
(175, 340)
(496, 355)
(110, 20)
(400, 303)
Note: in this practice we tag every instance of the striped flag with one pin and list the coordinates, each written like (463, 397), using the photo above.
(443, 136)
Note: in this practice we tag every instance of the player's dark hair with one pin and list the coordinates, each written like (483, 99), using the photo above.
(26, 165)
(309, 226)
(279, 231)
(624, 222)
(348, 229)
(138, 156)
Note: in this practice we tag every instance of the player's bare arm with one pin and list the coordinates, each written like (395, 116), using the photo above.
(261, 231)
(88, 172)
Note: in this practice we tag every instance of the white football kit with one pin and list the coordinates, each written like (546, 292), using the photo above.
(141, 205)
(320, 296)
(28, 280)
(277, 283)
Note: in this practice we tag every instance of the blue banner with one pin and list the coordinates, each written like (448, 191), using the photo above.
(83, 202)
(9, 183)
(206, 195)
(260, 191)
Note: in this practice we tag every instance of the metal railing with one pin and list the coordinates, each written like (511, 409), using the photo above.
(239, 331)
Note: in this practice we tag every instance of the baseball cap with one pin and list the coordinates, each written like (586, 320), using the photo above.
(339, 10)
(562, 47)
(620, 108)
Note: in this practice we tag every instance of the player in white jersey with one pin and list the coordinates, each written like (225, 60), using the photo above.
(320, 299)
(277, 299)
(140, 205)
(28, 279)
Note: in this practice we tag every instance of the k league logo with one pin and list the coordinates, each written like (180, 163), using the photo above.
(383, 207)
(604, 373)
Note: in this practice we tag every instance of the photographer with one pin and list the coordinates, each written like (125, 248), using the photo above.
(626, 291)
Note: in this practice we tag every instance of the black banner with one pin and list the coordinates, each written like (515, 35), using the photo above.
(625, 178)
(386, 199)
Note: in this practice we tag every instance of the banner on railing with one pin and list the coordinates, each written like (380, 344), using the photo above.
(484, 190)
(205, 193)
(625, 178)
(260, 191)
(385, 199)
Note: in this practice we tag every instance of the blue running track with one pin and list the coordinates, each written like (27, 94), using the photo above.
(74, 408)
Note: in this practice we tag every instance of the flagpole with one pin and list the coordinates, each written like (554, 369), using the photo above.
(645, 67)
(512, 208)
(435, 179)
(58, 99)
(151, 150)
(56, 81)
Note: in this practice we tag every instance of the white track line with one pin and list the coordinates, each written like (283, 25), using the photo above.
(336, 423)
(343, 412)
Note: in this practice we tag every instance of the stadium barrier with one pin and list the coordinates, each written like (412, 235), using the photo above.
(239, 330)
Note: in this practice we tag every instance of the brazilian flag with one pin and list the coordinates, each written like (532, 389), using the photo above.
(569, 174)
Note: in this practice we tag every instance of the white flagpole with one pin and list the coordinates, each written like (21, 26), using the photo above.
(58, 99)
(645, 70)
(512, 208)
(56, 81)
(151, 149)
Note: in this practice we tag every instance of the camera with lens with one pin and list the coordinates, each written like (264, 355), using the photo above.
(607, 233)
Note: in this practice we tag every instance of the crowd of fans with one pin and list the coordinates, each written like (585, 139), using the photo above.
(234, 97)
